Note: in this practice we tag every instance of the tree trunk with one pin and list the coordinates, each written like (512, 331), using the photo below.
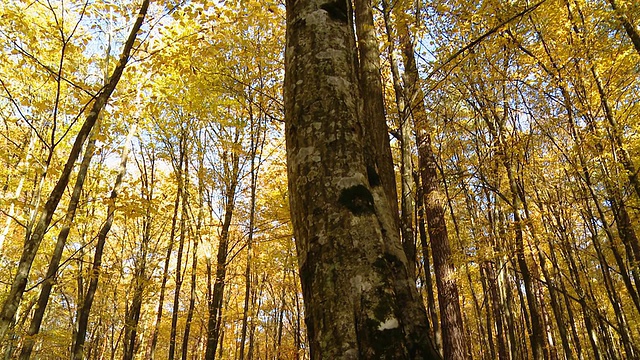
(23, 163)
(255, 150)
(140, 279)
(426, 259)
(359, 297)
(450, 313)
(192, 299)
(32, 243)
(629, 28)
(377, 151)
(165, 273)
(183, 234)
(56, 257)
(215, 302)
(453, 336)
(408, 188)
(85, 309)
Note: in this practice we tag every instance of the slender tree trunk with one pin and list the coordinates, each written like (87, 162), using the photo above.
(183, 235)
(133, 314)
(56, 257)
(165, 272)
(612, 293)
(496, 307)
(495, 124)
(281, 311)
(255, 167)
(216, 301)
(32, 243)
(536, 334)
(140, 279)
(450, 313)
(257, 296)
(359, 297)
(616, 136)
(453, 334)
(629, 28)
(192, 299)
(85, 309)
(24, 163)
(426, 259)
(408, 188)
(297, 340)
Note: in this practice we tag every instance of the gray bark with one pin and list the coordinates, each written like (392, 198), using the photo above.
(360, 301)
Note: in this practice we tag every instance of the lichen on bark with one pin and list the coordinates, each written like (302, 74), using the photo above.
(359, 300)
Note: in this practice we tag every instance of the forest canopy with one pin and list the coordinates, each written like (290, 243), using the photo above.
(377, 179)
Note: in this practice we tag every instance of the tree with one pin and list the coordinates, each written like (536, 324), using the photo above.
(85, 309)
(34, 239)
(359, 298)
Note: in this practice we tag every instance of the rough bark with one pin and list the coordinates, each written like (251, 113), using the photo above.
(32, 243)
(377, 151)
(448, 302)
(360, 301)
(453, 336)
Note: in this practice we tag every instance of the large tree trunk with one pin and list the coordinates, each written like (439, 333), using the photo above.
(32, 243)
(359, 298)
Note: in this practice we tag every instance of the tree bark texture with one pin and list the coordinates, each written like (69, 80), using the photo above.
(360, 301)
(453, 337)
(448, 298)
(377, 151)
